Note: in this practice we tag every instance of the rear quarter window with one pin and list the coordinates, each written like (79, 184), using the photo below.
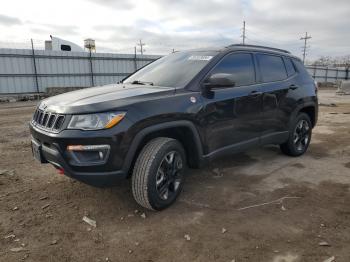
(289, 66)
(271, 67)
(300, 67)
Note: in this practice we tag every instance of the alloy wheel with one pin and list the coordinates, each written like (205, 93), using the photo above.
(301, 135)
(168, 178)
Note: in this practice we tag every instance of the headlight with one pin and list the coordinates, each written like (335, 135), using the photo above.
(95, 121)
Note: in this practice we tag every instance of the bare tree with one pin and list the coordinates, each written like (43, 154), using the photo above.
(333, 61)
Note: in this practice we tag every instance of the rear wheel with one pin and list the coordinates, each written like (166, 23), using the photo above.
(157, 178)
(299, 136)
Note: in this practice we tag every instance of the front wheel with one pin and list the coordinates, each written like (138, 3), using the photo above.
(157, 177)
(299, 136)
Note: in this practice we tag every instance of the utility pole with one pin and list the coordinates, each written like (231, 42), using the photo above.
(35, 69)
(243, 33)
(140, 44)
(305, 38)
(135, 59)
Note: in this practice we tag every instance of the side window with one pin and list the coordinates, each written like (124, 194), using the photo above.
(272, 68)
(289, 66)
(300, 67)
(240, 65)
(66, 48)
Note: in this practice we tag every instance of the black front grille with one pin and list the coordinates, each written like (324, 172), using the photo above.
(48, 121)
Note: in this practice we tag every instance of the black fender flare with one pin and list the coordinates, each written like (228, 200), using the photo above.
(299, 108)
(158, 127)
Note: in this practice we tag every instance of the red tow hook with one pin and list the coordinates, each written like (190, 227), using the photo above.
(60, 171)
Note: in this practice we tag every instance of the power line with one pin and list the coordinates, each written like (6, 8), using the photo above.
(305, 38)
(140, 44)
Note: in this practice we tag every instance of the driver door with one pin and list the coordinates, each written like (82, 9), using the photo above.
(232, 114)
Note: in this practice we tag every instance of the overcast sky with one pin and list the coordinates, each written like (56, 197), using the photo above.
(166, 24)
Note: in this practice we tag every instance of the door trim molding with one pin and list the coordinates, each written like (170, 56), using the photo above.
(232, 149)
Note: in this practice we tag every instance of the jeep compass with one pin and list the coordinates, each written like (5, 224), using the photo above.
(179, 111)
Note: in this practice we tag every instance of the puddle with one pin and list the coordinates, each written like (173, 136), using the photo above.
(286, 258)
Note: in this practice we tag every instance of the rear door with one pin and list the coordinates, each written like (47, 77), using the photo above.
(232, 115)
(276, 84)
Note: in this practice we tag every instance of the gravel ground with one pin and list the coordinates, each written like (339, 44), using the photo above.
(306, 216)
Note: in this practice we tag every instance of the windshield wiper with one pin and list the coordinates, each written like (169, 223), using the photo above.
(138, 82)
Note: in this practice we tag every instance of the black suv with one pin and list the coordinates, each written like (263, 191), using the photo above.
(181, 110)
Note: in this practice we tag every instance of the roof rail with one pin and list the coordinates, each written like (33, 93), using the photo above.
(260, 46)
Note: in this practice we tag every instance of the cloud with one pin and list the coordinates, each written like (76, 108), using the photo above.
(283, 22)
(9, 20)
(208, 14)
(56, 30)
(184, 24)
(126, 38)
(117, 4)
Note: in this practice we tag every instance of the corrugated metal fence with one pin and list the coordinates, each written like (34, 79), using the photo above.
(25, 71)
(328, 74)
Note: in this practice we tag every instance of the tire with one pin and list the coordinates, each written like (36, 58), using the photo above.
(299, 136)
(158, 173)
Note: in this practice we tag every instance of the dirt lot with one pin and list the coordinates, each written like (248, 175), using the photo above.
(41, 211)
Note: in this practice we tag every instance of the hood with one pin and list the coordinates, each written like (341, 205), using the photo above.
(102, 98)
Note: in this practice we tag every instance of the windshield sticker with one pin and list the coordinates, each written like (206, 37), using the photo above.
(200, 57)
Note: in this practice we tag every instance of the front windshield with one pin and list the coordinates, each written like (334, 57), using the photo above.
(174, 70)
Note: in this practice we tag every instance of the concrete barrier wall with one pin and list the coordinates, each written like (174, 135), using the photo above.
(344, 87)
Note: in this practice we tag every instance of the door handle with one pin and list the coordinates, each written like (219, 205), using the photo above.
(255, 93)
(293, 87)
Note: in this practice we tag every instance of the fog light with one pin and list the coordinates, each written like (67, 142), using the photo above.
(85, 155)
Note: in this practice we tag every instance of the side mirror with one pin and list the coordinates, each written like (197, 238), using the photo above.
(220, 80)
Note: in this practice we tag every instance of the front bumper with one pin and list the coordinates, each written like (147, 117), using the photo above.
(53, 147)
